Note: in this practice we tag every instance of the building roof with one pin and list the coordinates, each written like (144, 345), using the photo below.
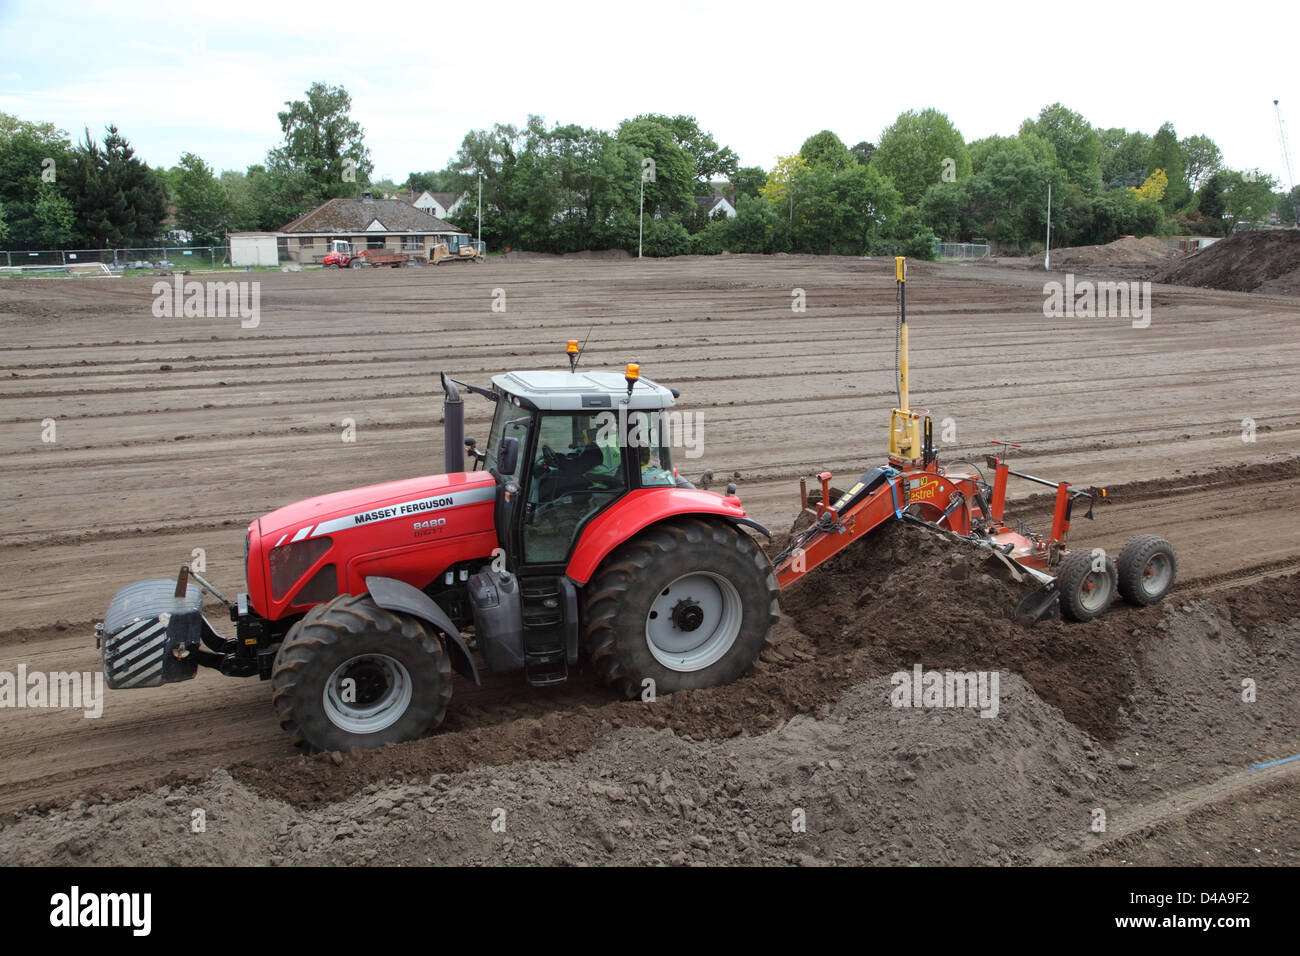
(711, 203)
(352, 216)
(446, 200)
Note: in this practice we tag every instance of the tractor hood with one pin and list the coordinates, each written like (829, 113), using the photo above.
(412, 530)
(343, 511)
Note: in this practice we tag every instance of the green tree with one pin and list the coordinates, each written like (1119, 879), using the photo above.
(31, 154)
(843, 211)
(712, 162)
(920, 149)
(1248, 197)
(433, 180)
(323, 144)
(1008, 195)
(1167, 153)
(863, 152)
(946, 208)
(757, 228)
(1203, 159)
(826, 149)
(56, 219)
(1124, 157)
(779, 188)
(749, 181)
(493, 153)
(242, 213)
(280, 194)
(120, 200)
(202, 204)
(670, 190)
(1076, 143)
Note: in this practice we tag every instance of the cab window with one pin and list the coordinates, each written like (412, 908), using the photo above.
(577, 469)
(647, 441)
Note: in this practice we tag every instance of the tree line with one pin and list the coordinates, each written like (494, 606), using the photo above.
(564, 188)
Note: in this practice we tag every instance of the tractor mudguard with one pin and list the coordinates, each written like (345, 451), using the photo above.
(393, 595)
(640, 509)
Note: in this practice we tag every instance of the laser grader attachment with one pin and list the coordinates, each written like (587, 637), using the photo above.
(961, 502)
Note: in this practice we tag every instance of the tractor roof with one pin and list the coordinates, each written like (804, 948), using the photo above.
(565, 391)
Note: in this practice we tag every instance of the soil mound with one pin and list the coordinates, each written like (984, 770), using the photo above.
(1126, 251)
(1266, 260)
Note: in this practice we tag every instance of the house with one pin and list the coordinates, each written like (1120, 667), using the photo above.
(716, 206)
(368, 224)
(440, 205)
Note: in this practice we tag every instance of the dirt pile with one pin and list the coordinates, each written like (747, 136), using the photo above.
(1126, 251)
(1265, 260)
(854, 781)
(865, 783)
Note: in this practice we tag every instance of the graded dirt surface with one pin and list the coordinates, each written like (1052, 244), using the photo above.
(171, 434)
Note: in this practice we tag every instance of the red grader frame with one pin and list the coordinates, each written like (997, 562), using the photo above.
(565, 540)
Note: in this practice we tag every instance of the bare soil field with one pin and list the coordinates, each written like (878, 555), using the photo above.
(170, 434)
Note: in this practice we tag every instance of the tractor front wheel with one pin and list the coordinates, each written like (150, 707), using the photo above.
(1087, 582)
(351, 674)
(1147, 568)
(688, 604)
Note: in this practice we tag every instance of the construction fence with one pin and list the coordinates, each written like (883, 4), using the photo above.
(111, 261)
(962, 250)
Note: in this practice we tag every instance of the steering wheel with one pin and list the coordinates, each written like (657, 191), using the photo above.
(551, 458)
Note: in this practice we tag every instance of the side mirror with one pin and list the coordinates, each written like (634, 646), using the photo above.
(508, 456)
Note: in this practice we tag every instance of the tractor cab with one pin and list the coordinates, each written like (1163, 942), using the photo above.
(566, 445)
(581, 465)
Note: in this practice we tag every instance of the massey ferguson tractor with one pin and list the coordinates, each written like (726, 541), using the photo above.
(570, 534)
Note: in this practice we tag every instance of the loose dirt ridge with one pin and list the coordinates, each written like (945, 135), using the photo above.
(1139, 714)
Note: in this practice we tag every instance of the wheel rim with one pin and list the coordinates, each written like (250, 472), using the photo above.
(1156, 573)
(694, 621)
(1095, 591)
(378, 696)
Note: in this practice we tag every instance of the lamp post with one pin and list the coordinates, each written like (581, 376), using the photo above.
(480, 208)
(640, 222)
(1047, 256)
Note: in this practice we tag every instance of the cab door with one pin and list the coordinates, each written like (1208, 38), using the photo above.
(576, 470)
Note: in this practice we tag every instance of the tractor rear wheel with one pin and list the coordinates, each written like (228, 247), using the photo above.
(351, 674)
(1086, 592)
(1147, 568)
(687, 603)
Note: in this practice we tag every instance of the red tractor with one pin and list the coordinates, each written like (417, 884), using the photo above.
(572, 531)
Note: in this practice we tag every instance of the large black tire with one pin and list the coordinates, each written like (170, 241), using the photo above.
(392, 660)
(1148, 566)
(1085, 594)
(718, 567)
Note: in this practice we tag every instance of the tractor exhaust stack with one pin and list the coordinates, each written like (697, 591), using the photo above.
(453, 431)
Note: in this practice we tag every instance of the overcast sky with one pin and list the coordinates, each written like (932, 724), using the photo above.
(209, 78)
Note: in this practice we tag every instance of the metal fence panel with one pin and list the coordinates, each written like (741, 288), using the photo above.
(962, 250)
(95, 261)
